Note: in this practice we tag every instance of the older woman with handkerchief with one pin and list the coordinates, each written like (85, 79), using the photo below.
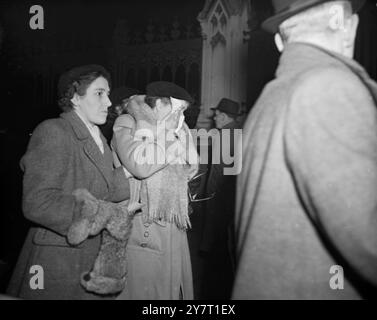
(156, 149)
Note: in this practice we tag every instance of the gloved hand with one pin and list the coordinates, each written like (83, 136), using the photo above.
(92, 215)
(119, 225)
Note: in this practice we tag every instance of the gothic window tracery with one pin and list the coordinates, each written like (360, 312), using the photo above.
(219, 21)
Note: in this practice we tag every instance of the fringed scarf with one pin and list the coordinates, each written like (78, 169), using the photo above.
(166, 195)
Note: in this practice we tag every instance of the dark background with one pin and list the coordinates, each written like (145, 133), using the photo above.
(82, 32)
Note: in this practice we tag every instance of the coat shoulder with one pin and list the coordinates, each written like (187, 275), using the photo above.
(335, 75)
(124, 120)
(51, 128)
(331, 94)
(51, 134)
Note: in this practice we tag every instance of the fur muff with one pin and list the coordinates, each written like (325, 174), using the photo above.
(108, 275)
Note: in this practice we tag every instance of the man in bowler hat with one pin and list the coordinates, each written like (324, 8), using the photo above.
(306, 215)
(226, 114)
(217, 240)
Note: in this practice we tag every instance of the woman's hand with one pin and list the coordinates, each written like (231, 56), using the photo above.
(172, 121)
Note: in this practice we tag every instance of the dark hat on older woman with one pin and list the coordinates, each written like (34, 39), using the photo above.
(168, 89)
(72, 75)
(285, 9)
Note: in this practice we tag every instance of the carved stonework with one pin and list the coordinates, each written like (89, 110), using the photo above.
(218, 22)
(225, 25)
(219, 9)
(170, 61)
(214, 22)
(218, 38)
(154, 33)
(231, 7)
(223, 20)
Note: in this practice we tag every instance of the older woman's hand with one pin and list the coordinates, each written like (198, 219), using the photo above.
(172, 121)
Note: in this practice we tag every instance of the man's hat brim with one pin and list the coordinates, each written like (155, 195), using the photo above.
(226, 112)
(228, 106)
(272, 24)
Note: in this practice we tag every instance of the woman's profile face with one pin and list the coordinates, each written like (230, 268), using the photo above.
(94, 104)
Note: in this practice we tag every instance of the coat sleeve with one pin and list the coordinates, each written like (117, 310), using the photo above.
(45, 166)
(190, 154)
(141, 158)
(331, 150)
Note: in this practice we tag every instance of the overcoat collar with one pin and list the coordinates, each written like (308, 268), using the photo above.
(300, 57)
(232, 125)
(78, 126)
(101, 161)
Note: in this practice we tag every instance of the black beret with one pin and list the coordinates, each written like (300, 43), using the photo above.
(72, 75)
(168, 89)
(228, 106)
(119, 94)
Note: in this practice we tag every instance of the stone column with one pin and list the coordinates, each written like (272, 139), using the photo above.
(224, 24)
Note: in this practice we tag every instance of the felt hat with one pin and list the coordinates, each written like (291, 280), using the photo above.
(285, 9)
(228, 106)
(168, 89)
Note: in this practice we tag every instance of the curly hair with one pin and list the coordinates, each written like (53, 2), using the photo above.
(79, 86)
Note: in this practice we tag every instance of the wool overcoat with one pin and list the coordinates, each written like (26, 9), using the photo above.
(307, 196)
(158, 256)
(61, 156)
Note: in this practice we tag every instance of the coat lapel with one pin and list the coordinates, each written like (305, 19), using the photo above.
(101, 161)
(94, 154)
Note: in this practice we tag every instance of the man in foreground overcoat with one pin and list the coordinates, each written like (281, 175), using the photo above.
(306, 198)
